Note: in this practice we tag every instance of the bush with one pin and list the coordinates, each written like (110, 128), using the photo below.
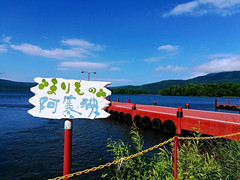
(194, 161)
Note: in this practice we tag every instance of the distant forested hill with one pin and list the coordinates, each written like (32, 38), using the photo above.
(221, 77)
(6, 85)
(152, 88)
(207, 89)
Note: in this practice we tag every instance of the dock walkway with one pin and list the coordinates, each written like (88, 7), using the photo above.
(177, 119)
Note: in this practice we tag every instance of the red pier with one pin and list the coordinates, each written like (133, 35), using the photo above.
(227, 106)
(174, 120)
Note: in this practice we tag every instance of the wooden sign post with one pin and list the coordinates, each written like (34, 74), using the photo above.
(57, 98)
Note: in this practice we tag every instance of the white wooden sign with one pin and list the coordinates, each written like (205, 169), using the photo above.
(57, 98)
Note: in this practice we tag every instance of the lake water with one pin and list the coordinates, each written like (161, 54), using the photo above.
(32, 148)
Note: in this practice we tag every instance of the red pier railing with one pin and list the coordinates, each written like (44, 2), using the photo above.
(227, 106)
(174, 120)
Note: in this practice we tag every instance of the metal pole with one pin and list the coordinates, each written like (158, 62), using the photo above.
(216, 104)
(88, 74)
(67, 147)
(179, 117)
(134, 106)
(175, 156)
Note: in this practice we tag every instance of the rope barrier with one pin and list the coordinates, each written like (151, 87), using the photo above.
(138, 154)
(112, 163)
(206, 138)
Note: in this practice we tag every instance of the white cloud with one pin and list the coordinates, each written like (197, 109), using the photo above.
(83, 43)
(115, 80)
(6, 39)
(52, 53)
(215, 56)
(152, 59)
(76, 49)
(170, 68)
(115, 69)
(203, 7)
(62, 69)
(219, 63)
(82, 65)
(3, 49)
(168, 48)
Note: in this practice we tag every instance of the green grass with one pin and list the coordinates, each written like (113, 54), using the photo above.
(196, 160)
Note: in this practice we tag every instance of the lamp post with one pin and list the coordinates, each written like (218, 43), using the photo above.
(88, 72)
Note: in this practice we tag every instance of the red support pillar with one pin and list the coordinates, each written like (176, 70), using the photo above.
(124, 101)
(67, 158)
(106, 109)
(134, 106)
(128, 100)
(175, 156)
(216, 104)
(179, 117)
(228, 101)
(110, 103)
(117, 99)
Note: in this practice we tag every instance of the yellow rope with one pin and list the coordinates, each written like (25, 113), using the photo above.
(112, 163)
(213, 137)
(138, 154)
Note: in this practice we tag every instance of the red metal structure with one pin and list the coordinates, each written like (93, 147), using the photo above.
(67, 157)
(174, 120)
(227, 106)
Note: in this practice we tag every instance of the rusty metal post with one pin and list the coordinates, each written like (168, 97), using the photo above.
(175, 156)
(67, 157)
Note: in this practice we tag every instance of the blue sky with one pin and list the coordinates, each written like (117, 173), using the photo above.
(125, 42)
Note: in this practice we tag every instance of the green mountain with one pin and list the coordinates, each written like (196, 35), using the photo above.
(154, 88)
(221, 77)
(6, 85)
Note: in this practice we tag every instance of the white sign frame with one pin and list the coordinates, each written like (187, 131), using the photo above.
(58, 98)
